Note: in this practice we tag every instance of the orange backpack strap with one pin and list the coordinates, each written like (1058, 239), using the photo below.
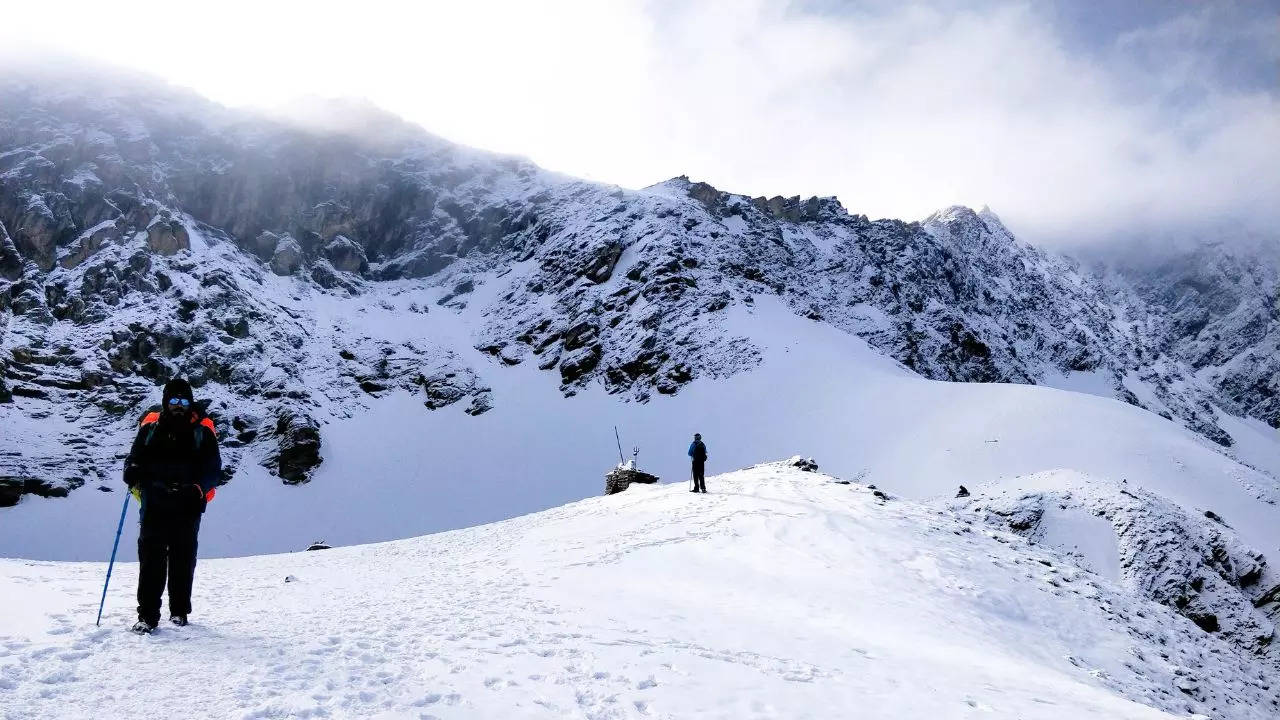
(208, 422)
(150, 418)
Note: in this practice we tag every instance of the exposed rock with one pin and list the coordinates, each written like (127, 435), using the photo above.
(601, 268)
(36, 231)
(10, 260)
(480, 404)
(803, 463)
(345, 255)
(287, 257)
(298, 449)
(580, 363)
(1193, 564)
(12, 488)
(264, 245)
(1206, 621)
(167, 237)
(621, 478)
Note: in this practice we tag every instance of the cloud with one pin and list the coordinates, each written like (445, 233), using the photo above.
(916, 107)
(1076, 123)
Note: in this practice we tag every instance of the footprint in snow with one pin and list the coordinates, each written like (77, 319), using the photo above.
(978, 705)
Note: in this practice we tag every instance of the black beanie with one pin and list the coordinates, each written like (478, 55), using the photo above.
(177, 388)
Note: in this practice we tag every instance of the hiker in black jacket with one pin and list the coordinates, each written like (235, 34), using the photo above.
(172, 468)
(698, 451)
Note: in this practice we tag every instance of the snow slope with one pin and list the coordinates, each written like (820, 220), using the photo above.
(399, 470)
(783, 594)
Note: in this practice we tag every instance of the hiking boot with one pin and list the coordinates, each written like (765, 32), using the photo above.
(142, 627)
(179, 620)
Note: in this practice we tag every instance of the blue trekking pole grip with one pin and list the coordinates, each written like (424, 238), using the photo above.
(114, 546)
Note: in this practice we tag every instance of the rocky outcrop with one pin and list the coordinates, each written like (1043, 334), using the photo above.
(345, 255)
(13, 488)
(1214, 307)
(806, 464)
(286, 256)
(298, 447)
(167, 237)
(1193, 564)
(621, 478)
(11, 263)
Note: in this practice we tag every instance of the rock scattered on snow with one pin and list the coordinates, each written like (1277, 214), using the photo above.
(803, 463)
(1191, 562)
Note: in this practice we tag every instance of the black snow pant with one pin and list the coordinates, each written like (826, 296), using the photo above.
(166, 545)
(699, 476)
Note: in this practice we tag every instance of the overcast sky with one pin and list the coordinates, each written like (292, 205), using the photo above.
(1075, 121)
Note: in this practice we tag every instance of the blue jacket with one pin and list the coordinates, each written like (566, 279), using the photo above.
(698, 451)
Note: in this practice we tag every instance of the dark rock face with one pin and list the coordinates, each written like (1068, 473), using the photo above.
(167, 237)
(286, 256)
(620, 479)
(299, 447)
(13, 488)
(345, 255)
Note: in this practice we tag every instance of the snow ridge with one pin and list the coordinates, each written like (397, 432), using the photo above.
(1195, 565)
(783, 593)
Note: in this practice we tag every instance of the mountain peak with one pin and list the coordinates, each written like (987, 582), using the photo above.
(953, 214)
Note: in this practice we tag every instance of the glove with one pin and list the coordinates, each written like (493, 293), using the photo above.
(132, 475)
(195, 495)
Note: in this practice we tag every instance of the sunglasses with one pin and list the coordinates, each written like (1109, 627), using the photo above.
(175, 402)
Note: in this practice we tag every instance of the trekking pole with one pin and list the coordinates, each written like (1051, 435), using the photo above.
(114, 547)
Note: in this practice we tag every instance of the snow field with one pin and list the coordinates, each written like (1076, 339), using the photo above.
(780, 594)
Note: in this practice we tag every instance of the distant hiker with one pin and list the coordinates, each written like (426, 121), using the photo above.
(172, 469)
(698, 451)
(963, 492)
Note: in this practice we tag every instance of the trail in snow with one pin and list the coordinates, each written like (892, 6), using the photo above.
(781, 594)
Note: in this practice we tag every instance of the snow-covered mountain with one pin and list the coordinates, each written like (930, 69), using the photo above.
(1215, 305)
(783, 594)
(142, 232)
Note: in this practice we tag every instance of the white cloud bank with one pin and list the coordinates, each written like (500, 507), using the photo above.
(896, 108)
